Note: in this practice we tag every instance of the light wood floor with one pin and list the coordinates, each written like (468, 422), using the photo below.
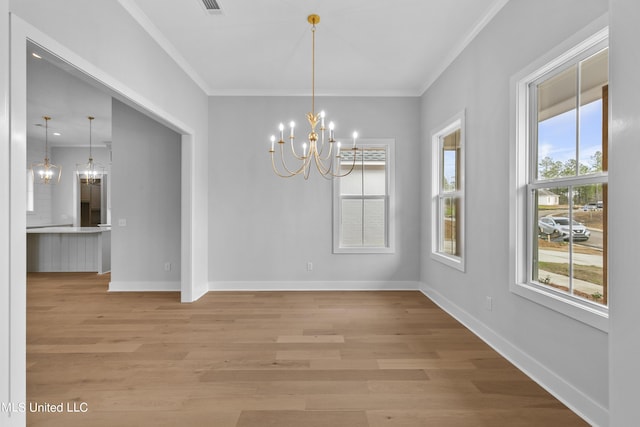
(279, 359)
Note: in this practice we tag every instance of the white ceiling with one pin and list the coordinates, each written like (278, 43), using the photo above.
(363, 47)
(60, 91)
(263, 47)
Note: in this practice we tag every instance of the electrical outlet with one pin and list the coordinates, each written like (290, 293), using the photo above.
(167, 266)
(122, 222)
(488, 303)
(309, 266)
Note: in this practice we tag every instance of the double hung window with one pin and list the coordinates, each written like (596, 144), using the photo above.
(447, 212)
(562, 176)
(363, 214)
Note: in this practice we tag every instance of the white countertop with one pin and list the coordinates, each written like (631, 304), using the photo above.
(67, 230)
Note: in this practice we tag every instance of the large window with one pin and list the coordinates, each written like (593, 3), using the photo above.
(562, 176)
(447, 230)
(363, 214)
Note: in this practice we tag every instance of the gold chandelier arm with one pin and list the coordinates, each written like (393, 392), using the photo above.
(293, 150)
(289, 173)
(325, 171)
(275, 170)
(353, 164)
(328, 155)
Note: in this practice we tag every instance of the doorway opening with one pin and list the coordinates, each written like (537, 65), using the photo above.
(91, 203)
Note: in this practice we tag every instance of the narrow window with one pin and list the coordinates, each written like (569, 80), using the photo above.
(448, 193)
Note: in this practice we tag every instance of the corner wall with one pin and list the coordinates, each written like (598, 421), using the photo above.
(567, 357)
(145, 185)
(624, 176)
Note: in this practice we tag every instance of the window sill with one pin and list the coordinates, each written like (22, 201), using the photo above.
(583, 312)
(364, 250)
(451, 261)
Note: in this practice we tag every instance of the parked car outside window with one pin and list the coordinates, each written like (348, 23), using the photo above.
(558, 226)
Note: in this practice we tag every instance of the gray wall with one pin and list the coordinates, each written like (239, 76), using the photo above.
(42, 213)
(146, 193)
(266, 228)
(479, 80)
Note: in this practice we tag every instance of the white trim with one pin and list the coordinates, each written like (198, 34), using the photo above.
(21, 32)
(585, 407)
(454, 123)
(143, 20)
(144, 286)
(588, 314)
(17, 102)
(313, 286)
(457, 50)
(350, 93)
(519, 175)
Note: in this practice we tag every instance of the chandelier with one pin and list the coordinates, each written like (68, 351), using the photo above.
(91, 171)
(46, 172)
(324, 152)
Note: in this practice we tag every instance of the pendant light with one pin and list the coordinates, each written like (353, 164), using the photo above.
(91, 171)
(46, 172)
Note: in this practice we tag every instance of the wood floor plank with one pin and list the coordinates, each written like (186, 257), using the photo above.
(302, 418)
(259, 359)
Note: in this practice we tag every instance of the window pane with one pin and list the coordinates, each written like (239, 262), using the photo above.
(556, 112)
(375, 183)
(594, 75)
(450, 161)
(374, 223)
(551, 256)
(351, 223)
(374, 165)
(449, 230)
(569, 252)
(589, 249)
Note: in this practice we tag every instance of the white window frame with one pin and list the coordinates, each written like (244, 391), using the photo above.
(389, 247)
(521, 200)
(455, 123)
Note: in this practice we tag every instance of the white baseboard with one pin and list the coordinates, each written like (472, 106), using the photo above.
(314, 286)
(144, 286)
(200, 292)
(581, 404)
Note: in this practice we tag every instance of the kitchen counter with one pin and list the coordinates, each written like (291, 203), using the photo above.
(67, 230)
(63, 249)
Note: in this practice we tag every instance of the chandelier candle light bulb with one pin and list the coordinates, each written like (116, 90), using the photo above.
(315, 150)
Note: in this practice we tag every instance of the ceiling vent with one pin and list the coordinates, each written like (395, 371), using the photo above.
(211, 6)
